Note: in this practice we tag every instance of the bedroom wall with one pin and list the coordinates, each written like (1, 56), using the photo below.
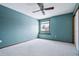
(16, 27)
(60, 28)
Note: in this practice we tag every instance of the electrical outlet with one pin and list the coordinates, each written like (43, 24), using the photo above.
(0, 41)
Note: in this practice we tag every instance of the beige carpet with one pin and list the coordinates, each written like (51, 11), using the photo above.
(40, 47)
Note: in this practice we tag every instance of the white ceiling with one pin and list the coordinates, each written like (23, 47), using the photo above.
(27, 8)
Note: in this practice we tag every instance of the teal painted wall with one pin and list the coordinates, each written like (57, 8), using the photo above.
(16, 27)
(60, 28)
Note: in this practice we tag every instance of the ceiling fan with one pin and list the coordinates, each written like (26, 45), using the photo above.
(42, 9)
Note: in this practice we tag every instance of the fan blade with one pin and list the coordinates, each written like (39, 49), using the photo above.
(41, 7)
(50, 8)
(36, 11)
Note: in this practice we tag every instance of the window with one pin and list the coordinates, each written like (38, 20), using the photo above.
(44, 26)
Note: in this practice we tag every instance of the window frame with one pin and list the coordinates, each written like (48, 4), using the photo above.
(40, 22)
